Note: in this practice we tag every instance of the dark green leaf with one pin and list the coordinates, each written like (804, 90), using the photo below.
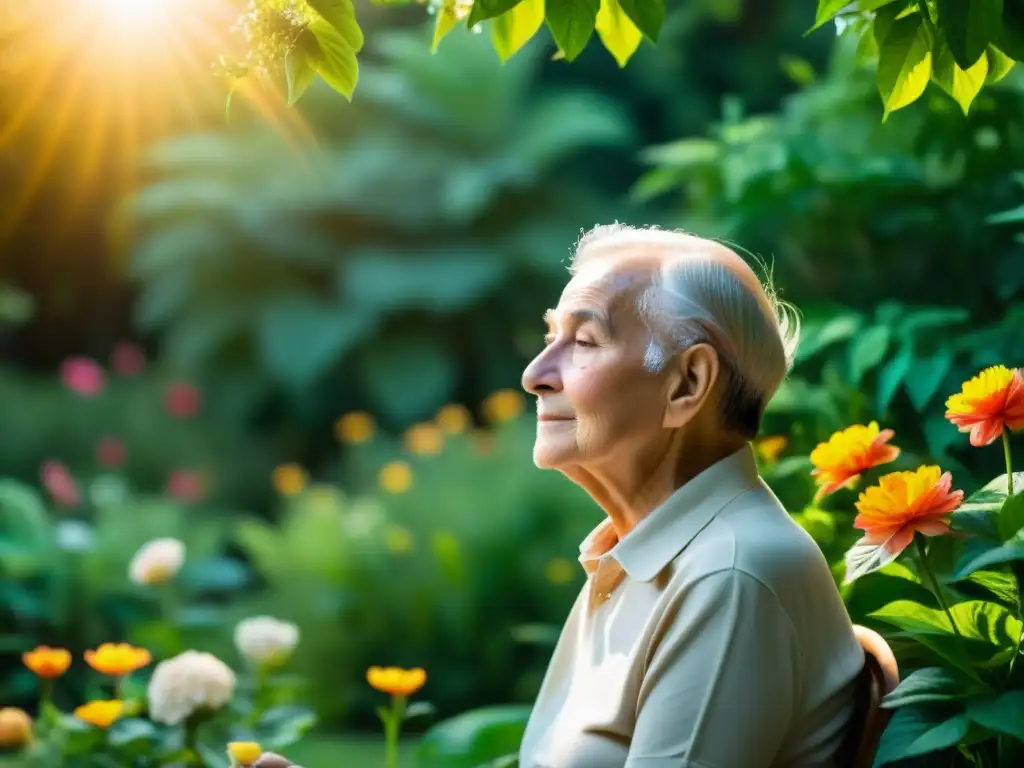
(891, 376)
(281, 727)
(993, 586)
(386, 368)
(648, 15)
(925, 377)
(904, 62)
(1011, 39)
(917, 730)
(488, 9)
(999, 64)
(131, 730)
(572, 23)
(1011, 516)
(867, 350)
(987, 554)
(930, 684)
(337, 63)
(473, 738)
(962, 84)
(1003, 713)
(969, 26)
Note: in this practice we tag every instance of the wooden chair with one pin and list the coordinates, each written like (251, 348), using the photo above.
(879, 677)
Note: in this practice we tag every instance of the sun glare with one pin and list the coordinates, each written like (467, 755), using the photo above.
(135, 10)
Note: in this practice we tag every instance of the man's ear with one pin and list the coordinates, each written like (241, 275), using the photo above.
(694, 372)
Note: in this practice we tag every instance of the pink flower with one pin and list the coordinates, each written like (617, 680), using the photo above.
(110, 452)
(182, 400)
(59, 483)
(186, 485)
(83, 376)
(127, 359)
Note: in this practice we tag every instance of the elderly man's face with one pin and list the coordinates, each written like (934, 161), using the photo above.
(595, 399)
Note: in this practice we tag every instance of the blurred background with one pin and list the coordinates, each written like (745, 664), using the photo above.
(292, 336)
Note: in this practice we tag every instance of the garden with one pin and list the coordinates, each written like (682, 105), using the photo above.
(270, 273)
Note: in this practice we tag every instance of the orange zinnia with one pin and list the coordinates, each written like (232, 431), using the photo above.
(47, 663)
(396, 681)
(905, 503)
(848, 453)
(117, 659)
(988, 403)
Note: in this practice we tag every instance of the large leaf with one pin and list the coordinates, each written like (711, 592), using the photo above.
(572, 23)
(864, 558)
(1002, 714)
(342, 16)
(918, 730)
(473, 738)
(336, 62)
(999, 64)
(299, 340)
(513, 29)
(829, 9)
(969, 26)
(962, 84)
(904, 62)
(891, 376)
(1011, 516)
(986, 555)
(930, 684)
(299, 68)
(925, 377)
(647, 15)
(407, 376)
(488, 9)
(617, 31)
(867, 350)
(976, 619)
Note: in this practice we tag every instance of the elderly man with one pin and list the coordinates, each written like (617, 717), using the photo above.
(710, 632)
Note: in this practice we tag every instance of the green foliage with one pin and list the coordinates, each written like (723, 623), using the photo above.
(488, 736)
(417, 234)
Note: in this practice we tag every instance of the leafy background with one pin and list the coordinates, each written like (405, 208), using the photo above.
(393, 254)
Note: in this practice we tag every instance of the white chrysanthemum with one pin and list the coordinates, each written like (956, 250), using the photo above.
(157, 561)
(265, 640)
(188, 683)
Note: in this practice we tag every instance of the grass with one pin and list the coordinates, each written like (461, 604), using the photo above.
(348, 751)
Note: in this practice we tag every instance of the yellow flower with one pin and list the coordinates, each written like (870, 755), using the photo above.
(289, 479)
(503, 405)
(483, 443)
(117, 659)
(424, 439)
(396, 681)
(989, 403)
(47, 663)
(453, 419)
(354, 428)
(15, 728)
(395, 477)
(398, 539)
(849, 453)
(559, 571)
(770, 448)
(102, 714)
(245, 752)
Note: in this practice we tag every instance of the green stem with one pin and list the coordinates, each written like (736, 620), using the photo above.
(933, 583)
(392, 727)
(1009, 463)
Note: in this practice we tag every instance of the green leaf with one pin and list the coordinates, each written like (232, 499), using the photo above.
(472, 738)
(647, 15)
(999, 64)
(488, 9)
(891, 376)
(447, 20)
(925, 377)
(969, 26)
(977, 620)
(930, 684)
(337, 63)
(1011, 516)
(987, 555)
(1003, 713)
(299, 65)
(1011, 39)
(299, 341)
(867, 350)
(617, 31)
(918, 730)
(904, 62)
(130, 731)
(513, 29)
(962, 85)
(572, 23)
(864, 558)
(829, 9)
(342, 16)
(385, 369)
(283, 726)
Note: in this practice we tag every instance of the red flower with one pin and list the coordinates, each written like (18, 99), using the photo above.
(110, 452)
(83, 376)
(127, 359)
(182, 400)
(186, 485)
(59, 483)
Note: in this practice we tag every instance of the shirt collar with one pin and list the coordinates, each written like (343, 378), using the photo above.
(655, 541)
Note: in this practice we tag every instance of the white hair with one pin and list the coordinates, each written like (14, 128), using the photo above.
(696, 298)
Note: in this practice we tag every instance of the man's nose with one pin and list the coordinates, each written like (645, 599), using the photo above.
(542, 374)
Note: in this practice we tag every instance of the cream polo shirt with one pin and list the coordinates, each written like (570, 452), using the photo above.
(711, 636)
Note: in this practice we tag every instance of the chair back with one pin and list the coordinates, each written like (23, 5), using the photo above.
(879, 676)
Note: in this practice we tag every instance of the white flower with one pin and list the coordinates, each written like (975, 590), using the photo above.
(189, 682)
(265, 640)
(157, 561)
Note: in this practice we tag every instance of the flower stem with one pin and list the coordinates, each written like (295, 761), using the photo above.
(392, 726)
(933, 584)
(1009, 463)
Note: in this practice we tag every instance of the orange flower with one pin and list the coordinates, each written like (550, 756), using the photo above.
(396, 681)
(48, 663)
(988, 403)
(770, 448)
(848, 453)
(102, 714)
(117, 659)
(905, 503)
